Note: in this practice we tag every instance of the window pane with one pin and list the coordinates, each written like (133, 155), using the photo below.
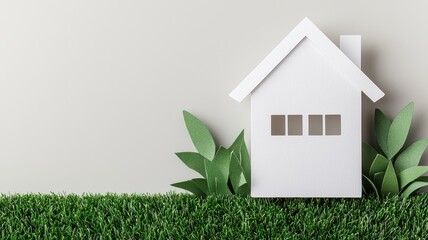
(277, 125)
(295, 125)
(315, 125)
(332, 125)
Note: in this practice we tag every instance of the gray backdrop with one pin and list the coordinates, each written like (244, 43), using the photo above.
(91, 92)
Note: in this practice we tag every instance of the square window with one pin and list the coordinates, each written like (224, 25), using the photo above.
(277, 125)
(315, 125)
(333, 125)
(295, 125)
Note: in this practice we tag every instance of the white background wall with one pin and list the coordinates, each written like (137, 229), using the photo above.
(91, 92)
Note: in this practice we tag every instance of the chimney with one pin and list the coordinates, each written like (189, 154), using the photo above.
(350, 45)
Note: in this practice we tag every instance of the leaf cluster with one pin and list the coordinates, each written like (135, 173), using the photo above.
(223, 171)
(392, 169)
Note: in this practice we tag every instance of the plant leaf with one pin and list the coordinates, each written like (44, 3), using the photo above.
(399, 130)
(237, 144)
(390, 182)
(218, 172)
(378, 179)
(382, 125)
(202, 184)
(245, 189)
(412, 187)
(369, 154)
(245, 163)
(379, 164)
(200, 135)
(191, 187)
(409, 175)
(371, 184)
(194, 161)
(236, 173)
(411, 156)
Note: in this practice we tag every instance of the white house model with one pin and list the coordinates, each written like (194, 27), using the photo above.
(306, 116)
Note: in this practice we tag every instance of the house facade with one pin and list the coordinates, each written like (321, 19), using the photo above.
(306, 116)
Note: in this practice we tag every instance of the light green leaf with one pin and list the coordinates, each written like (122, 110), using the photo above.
(379, 164)
(382, 125)
(411, 156)
(410, 174)
(218, 172)
(191, 187)
(237, 144)
(371, 184)
(240, 149)
(399, 130)
(202, 184)
(378, 179)
(369, 154)
(412, 187)
(200, 135)
(194, 161)
(236, 173)
(390, 182)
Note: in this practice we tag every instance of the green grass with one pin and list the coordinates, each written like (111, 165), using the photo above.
(178, 216)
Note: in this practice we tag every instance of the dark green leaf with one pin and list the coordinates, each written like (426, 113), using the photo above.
(200, 135)
(194, 161)
(378, 179)
(245, 189)
(191, 187)
(371, 184)
(410, 174)
(411, 156)
(390, 182)
(382, 125)
(399, 130)
(202, 184)
(369, 154)
(414, 186)
(380, 163)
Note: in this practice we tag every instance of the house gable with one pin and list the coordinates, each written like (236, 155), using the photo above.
(334, 55)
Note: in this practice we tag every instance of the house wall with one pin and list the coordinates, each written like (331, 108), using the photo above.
(306, 83)
(91, 92)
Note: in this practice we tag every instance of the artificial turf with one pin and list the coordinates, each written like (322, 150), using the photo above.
(181, 216)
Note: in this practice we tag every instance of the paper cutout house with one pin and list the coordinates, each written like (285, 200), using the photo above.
(306, 116)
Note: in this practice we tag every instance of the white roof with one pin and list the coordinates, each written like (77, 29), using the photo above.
(307, 29)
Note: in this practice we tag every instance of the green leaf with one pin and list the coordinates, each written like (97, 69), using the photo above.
(382, 125)
(218, 172)
(200, 135)
(245, 189)
(236, 173)
(240, 149)
(371, 184)
(379, 164)
(202, 184)
(194, 161)
(411, 156)
(369, 154)
(191, 187)
(378, 179)
(409, 175)
(390, 182)
(412, 187)
(237, 144)
(399, 130)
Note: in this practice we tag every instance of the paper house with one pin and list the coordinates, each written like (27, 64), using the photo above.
(306, 116)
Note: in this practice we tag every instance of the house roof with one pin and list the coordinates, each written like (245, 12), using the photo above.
(307, 29)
